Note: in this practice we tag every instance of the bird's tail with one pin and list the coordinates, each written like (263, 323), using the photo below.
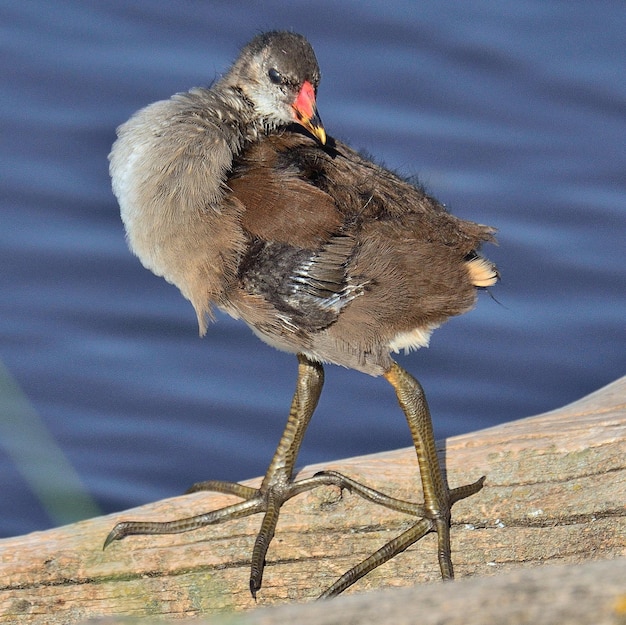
(483, 273)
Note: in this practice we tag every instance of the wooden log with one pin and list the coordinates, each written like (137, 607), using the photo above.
(555, 493)
(592, 593)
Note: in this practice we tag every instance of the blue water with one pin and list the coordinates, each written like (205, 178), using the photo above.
(513, 113)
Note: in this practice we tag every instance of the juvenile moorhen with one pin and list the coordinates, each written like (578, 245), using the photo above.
(323, 253)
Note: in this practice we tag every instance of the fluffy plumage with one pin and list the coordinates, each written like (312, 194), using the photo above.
(319, 250)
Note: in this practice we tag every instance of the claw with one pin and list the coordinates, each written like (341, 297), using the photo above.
(278, 486)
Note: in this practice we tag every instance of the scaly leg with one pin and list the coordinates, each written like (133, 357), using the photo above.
(278, 486)
(438, 498)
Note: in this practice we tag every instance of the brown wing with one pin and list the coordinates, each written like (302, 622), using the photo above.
(297, 257)
(349, 254)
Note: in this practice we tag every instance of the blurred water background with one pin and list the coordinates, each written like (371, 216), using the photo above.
(513, 113)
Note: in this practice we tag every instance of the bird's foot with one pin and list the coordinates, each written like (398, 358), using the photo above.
(428, 521)
(270, 498)
(267, 499)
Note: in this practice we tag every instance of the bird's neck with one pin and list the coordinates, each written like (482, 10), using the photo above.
(229, 109)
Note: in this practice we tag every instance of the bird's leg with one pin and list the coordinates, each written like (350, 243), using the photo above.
(277, 486)
(438, 498)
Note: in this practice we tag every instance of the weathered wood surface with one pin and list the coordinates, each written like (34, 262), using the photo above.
(555, 493)
(592, 593)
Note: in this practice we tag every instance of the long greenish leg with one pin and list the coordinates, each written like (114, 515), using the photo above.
(436, 492)
(438, 498)
(277, 486)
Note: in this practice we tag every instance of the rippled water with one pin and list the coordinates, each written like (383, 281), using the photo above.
(512, 113)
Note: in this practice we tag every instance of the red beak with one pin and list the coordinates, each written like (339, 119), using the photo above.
(305, 112)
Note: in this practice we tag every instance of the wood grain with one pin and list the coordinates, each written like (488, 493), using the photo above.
(555, 494)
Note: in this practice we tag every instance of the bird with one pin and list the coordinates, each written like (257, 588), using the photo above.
(235, 194)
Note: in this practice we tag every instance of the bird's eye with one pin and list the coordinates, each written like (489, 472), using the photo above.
(276, 76)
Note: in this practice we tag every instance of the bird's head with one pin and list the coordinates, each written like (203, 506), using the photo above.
(278, 73)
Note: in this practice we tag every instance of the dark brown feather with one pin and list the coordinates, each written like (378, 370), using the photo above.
(347, 254)
(319, 250)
